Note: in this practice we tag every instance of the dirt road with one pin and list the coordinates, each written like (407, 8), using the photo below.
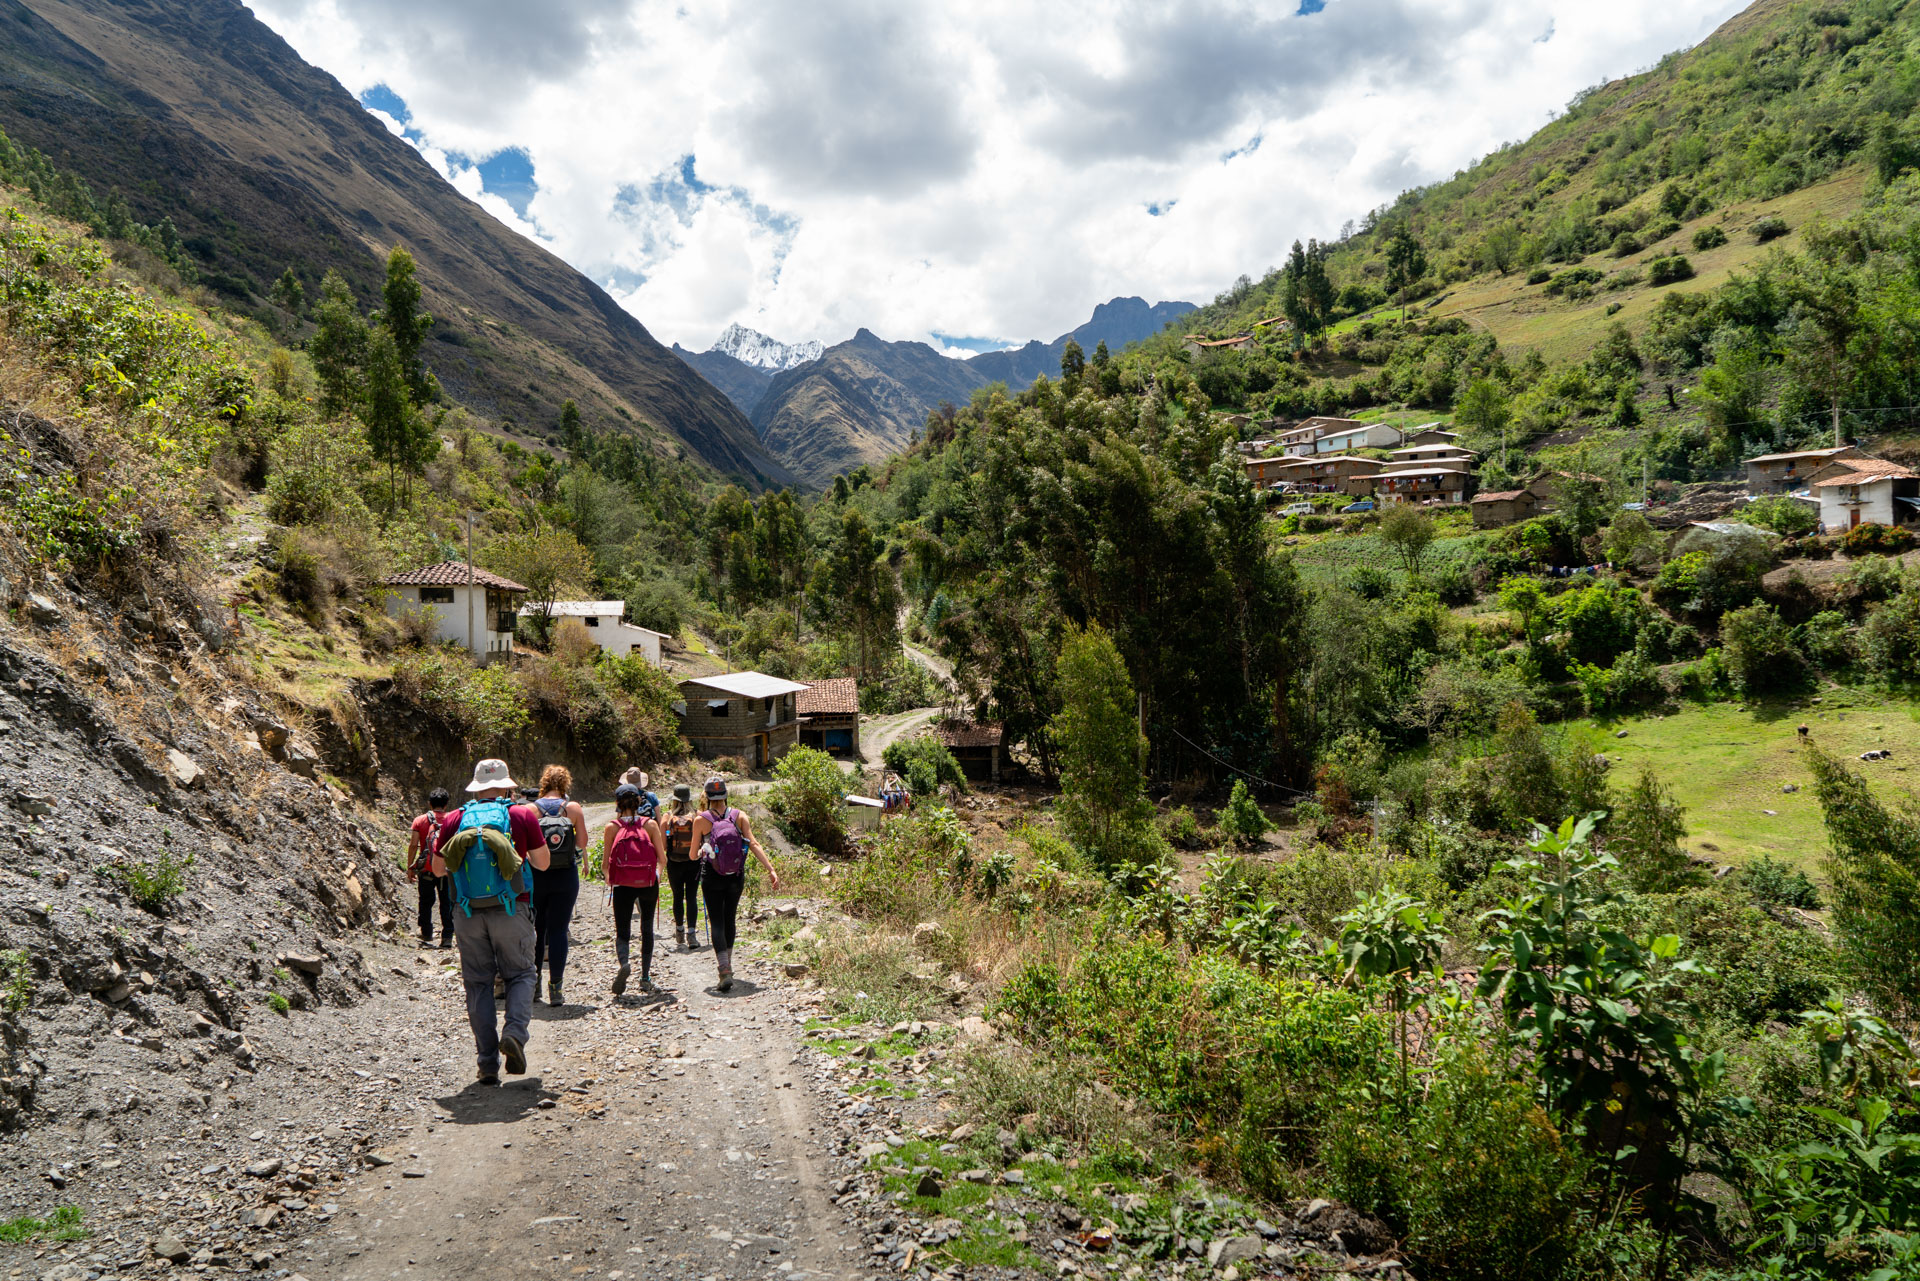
(651, 1136)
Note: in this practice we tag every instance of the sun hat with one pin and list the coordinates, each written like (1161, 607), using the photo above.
(636, 776)
(490, 774)
(682, 792)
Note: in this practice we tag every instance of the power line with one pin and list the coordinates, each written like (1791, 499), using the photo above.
(1265, 782)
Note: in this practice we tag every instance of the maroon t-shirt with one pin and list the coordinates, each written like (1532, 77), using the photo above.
(523, 819)
(427, 830)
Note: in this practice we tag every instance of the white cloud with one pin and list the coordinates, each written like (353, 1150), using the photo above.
(973, 170)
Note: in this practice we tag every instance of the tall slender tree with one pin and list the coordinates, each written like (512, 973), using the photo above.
(338, 347)
(408, 324)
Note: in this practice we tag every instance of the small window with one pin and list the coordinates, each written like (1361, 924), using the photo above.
(718, 706)
(591, 621)
(436, 595)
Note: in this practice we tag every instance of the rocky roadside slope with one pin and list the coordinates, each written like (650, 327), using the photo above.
(179, 887)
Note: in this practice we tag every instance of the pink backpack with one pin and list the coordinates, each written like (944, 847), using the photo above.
(633, 861)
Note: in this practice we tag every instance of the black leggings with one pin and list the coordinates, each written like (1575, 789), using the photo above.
(685, 876)
(723, 904)
(624, 897)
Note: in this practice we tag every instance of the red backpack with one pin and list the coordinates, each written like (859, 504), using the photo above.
(632, 861)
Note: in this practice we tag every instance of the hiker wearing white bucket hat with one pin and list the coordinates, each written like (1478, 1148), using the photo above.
(481, 846)
(636, 777)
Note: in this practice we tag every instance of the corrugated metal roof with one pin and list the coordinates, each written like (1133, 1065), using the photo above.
(1801, 453)
(452, 573)
(588, 608)
(746, 684)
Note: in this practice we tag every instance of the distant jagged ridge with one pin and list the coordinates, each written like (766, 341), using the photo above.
(751, 347)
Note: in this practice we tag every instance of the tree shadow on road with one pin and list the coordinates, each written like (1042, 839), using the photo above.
(481, 1104)
(741, 987)
(646, 1001)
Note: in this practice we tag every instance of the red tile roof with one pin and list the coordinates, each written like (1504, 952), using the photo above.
(452, 573)
(839, 696)
(1505, 495)
(1865, 471)
(967, 734)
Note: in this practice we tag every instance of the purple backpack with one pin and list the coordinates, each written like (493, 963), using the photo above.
(729, 848)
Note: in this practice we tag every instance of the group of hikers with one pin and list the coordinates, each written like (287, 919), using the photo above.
(505, 876)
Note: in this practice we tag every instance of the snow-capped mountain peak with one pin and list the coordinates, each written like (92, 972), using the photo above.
(751, 347)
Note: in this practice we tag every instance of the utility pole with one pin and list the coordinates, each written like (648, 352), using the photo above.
(1837, 442)
(1643, 479)
(471, 634)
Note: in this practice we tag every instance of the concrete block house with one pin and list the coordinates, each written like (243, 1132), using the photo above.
(746, 714)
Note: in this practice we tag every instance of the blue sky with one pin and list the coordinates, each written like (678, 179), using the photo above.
(955, 174)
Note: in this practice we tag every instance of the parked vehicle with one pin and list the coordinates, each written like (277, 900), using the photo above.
(1297, 509)
(1364, 505)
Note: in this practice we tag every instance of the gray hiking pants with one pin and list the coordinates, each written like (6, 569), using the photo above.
(491, 942)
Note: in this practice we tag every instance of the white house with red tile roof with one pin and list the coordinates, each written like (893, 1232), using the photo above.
(472, 607)
(1784, 473)
(1865, 491)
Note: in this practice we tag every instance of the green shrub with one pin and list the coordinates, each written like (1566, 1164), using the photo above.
(483, 706)
(1759, 650)
(1246, 1066)
(1644, 833)
(1665, 271)
(810, 799)
(1829, 640)
(1875, 537)
(153, 883)
(1477, 1183)
(1706, 238)
(278, 1003)
(1781, 514)
(1771, 227)
(1241, 821)
(1539, 276)
(1890, 638)
(16, 981)
(924, 763)
(1370, 582)
(1181, 829)
(915, 868)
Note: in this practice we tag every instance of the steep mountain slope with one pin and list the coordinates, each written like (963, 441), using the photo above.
(194, 111)
(1116, 323)
(739, 382)
(859, 403)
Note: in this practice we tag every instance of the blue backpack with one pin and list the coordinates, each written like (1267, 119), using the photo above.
(477, 882)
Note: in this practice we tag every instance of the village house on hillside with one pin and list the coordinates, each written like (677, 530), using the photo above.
(1506, 506)
(1339, 474)
(1432, 455)
(1198, 345)
(605, 622)
(975, 747)
(746, 714)
(1430, 434)
(830, 716)
(480, 618)
(1337, 435)
(1865, 491)
(1420, 485)
(1784, 473)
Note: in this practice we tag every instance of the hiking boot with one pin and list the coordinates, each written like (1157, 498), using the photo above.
(646, 984)
(726, 980)
(487, 1078)
(553, 995)
(680, 938)
(620, 979)
(693, 941)
(514, 1051)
